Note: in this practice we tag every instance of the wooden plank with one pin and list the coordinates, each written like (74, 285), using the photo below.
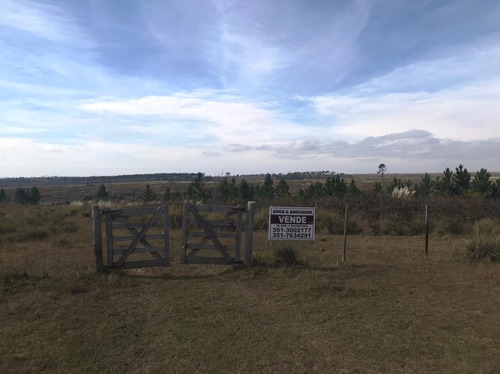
(109, 238)
(140, 250)
(194, 222)
(426, 232)
(139, 238)
(166, 235)
(118, 226)
(139, 211)
(345, 232)
(143, 241)
(211, 234)
(208, 247)
(200, 234)
(249, 233)
(237, 253)
(208, 261)
(185, 224)
(216, 208)
(97, 237)
(120, 239)
(142, 264)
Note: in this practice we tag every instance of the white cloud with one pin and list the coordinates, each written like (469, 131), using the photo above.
(228, 119)
(468, 113)
(42, 20)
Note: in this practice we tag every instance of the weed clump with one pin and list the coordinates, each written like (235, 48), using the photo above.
(484, 250)
(286, 255)
(283, 255)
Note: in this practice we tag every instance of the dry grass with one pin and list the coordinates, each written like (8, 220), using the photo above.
(387, 310)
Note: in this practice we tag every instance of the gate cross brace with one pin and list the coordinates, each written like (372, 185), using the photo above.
(211, 234)
(144, 242)
(138, 238)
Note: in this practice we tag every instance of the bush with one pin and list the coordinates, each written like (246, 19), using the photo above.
(285, 255)
(447, 226)
(261, 219)
(484, 249)
(329, 223)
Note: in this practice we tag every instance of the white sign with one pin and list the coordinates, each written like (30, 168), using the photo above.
(291, 223)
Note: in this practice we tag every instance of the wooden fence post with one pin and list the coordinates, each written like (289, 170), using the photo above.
(426, 231)
(345, 232)
(249, 233)
(97, 237)
(185, 225)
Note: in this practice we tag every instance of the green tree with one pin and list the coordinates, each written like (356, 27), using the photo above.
(224, 190)
(481, 184)
(424, 187)
(335, 185)
(377, 187)
(314, 191)
(196, 190)
(382, 169)
(3, 196)
(102, 193)
(352, 189)
(149, 195)
(20, 196)
(282, 189)
(461, 180)
(245, 190)
(167, 194)
(495, 189)
(444, 186)
(395, 183)
(34, 196)
(268, 189)
(234, 189)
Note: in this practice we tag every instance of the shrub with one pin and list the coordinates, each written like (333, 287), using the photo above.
(488, 226)
(25, 197)
(329, 223)
(261, 219)
(447, 226)
(102, 193)
(285, 255)
(484, 249)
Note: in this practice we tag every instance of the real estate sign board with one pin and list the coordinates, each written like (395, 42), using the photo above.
(291, 223)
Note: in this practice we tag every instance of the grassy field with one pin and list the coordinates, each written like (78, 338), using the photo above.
(386, 310)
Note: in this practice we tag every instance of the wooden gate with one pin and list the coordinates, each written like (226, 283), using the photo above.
(137, 237)
(212, 234)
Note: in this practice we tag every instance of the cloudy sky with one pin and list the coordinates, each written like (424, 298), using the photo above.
(107, 87)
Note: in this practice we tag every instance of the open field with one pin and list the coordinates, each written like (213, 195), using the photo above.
(386, 310)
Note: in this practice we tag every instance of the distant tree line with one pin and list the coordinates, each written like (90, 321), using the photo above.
(275, 187)
(155, 177)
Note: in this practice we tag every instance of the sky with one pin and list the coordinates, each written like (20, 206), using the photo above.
(110, 87)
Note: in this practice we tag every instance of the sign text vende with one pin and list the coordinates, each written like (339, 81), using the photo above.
(291, 223)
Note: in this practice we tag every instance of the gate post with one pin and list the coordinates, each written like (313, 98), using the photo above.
(97, 237)
(249, 233)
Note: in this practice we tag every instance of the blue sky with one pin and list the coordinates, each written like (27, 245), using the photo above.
(106, 87)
